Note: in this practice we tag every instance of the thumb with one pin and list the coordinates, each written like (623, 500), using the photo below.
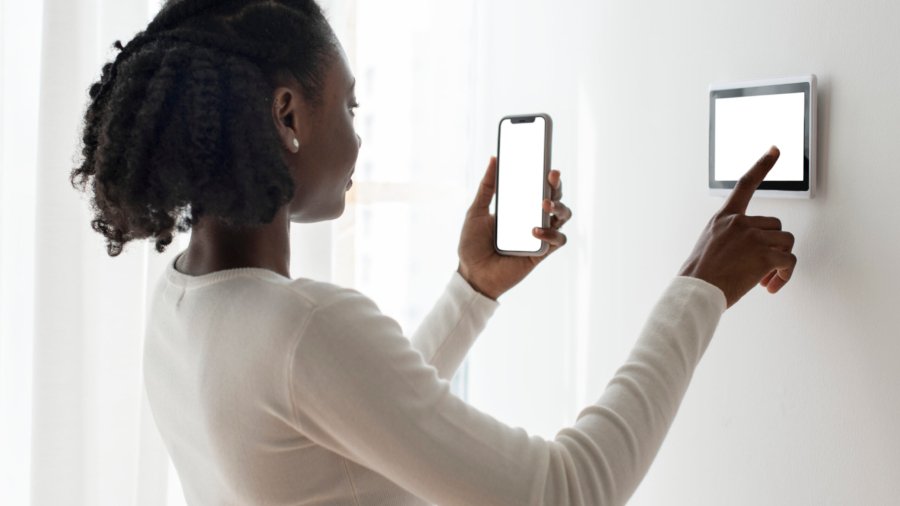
(486, 189)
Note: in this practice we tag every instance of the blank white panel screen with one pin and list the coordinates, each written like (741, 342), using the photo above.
(745, 128)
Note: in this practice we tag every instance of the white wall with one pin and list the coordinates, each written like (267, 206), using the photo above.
(797, 400)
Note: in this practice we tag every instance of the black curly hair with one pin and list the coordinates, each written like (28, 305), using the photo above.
(179, 126)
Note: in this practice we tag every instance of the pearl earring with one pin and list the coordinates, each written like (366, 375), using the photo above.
(296, 145)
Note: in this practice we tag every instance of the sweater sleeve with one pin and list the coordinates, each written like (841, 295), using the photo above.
(449, 330)
(359, 389)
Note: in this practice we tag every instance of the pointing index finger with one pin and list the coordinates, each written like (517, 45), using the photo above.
(743, 191)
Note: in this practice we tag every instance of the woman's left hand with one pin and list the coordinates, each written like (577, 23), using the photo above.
(487, 271)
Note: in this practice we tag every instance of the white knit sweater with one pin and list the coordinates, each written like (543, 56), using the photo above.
(272, 391)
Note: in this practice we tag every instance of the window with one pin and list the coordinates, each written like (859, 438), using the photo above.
(397, 239)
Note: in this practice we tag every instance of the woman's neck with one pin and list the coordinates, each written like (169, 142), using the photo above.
(215, 246)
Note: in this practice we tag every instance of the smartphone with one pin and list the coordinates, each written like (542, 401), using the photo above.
(523, 164)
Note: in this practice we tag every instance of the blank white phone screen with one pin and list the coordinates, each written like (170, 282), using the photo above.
(746, 127)
(520, 185)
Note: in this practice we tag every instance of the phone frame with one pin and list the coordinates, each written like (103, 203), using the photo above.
(545, 216)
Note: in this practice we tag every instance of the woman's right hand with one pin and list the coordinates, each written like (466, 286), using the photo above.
(736, 251)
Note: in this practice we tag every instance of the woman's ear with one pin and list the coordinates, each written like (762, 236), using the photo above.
(288, 111)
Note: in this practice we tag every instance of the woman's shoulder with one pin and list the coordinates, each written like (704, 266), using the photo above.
(251, 282)
(300, 295)
(323, 294)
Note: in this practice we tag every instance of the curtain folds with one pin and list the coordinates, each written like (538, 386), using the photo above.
(19, 64)
(72, 397)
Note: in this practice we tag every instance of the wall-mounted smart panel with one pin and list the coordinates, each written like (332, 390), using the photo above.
(747, 118)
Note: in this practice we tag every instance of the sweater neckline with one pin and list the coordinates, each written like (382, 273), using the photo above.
(180, 278)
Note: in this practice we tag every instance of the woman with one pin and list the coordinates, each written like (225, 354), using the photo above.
(235, 118)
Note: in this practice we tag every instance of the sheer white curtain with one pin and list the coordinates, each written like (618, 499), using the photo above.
(18, 106)
(75, 428)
